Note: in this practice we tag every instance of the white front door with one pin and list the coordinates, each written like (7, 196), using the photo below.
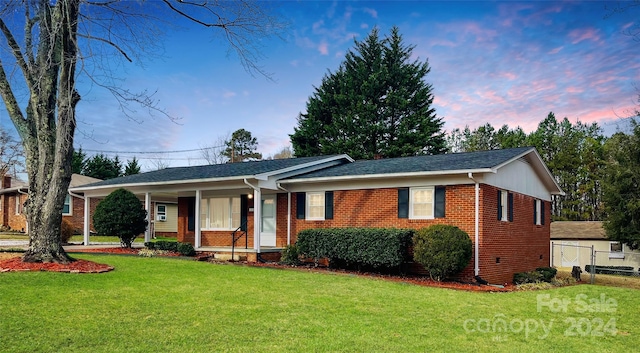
(268, 222)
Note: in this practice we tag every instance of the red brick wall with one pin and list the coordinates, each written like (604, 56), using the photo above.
(15, 221)
(77, 215)
(518, 244)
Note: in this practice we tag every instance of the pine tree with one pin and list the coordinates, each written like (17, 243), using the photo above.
(241, 147)
(132, 167)
(376, 104)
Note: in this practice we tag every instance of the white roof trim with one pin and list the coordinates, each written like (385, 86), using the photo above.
(386, 175)
(160, 183)
(537, 165)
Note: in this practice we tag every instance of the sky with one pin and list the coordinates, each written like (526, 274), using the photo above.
(491, 62)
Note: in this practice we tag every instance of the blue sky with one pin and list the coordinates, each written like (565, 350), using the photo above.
(498, 62)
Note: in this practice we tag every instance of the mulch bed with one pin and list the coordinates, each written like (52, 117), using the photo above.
(408, 279)
(79, 266)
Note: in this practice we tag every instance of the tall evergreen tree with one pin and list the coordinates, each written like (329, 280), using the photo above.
(622, 188)
(376, 104)
(241, 147)
(103, 167)
(78, 162)
(132, 167)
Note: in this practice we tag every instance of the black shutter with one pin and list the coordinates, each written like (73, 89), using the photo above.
(328, 205)
(499, 205)
(403, 203)
(301, 200)
(191, 214)
(244, 211)
(440, 201)
(535, 211)
(542, 212)
(510, 206)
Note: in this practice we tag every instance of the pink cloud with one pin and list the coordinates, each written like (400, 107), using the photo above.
(323, 48)
(373, 13)
(579, 35)
(555, 50)
(574, 89)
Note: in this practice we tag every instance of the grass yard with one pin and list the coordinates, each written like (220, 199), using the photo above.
(169, 305)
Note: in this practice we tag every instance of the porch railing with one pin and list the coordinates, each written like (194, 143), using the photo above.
(236, 235)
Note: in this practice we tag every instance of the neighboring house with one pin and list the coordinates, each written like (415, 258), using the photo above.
(13, 195)
(572, 241)
(501, 198)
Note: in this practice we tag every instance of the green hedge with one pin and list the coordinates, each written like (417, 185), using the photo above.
(611, 270)
(374, 247)
(185, 249)
(541, 274)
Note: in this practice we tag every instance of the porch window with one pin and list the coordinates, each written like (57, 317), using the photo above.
(66, 209)
(315, 206)
(615, 250)
(220, 213)
(161, 213)
(421, 203)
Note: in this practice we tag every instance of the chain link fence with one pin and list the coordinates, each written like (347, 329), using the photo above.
(569, 254)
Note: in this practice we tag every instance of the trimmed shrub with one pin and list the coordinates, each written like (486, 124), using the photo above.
(548, 273)
(186, 249)
(163, 245)
(528, 277)
(290, 255)
(66, 231)
(120, 214)
(443, 250)
(346, 247)
(611, 270)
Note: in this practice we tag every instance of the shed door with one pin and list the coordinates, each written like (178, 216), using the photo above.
(570, 253)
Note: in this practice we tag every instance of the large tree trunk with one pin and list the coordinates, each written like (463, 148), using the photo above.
(47, 132)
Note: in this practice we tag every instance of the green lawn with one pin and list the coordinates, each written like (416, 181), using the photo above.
(80, 238)
(169, 305)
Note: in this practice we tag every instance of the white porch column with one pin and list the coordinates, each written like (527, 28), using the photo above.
(288, 218)
(198, 236)
(257, 217)
(87, 220)
(147, 206)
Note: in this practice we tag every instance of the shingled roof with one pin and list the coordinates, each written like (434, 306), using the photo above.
(216, 171)
(577, 230)
(468, 161)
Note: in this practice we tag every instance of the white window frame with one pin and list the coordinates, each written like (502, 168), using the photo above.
(538, 212)
(504, 201)
(309, 206)
(205, 205)
(70, 213)
(412, 203)
(161, 213)
(18, 204)
(616, 254)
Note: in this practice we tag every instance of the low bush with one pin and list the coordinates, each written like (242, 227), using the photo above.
(186, 249)
(443, 250)
(548, 273)
(528, 277)
(359, 247)
(290, 255)
(66, 231)
(611, 270)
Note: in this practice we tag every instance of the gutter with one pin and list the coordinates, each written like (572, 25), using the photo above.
(477, 213)
(288, 212)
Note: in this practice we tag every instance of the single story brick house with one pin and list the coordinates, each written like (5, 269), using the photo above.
(501, 198)
(13, 195)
